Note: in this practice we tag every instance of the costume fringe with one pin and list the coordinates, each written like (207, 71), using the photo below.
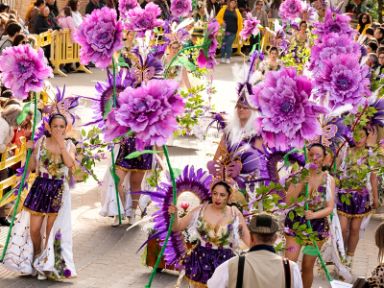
(351, 216)
(36, 213)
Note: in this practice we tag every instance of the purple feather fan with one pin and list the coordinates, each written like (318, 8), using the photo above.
(191, 180)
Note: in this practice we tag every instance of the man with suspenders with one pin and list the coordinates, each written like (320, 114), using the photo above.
(261, 266)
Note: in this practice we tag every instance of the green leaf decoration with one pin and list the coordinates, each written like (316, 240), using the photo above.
(24, 113)
(185, 63)
(311, 251)
(291, 216)
(136, 154)
(121, 61)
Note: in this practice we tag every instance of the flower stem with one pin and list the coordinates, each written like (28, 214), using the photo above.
(177, 55)
(174, 195)
(113, 170)
(23, 177)
(314, 242)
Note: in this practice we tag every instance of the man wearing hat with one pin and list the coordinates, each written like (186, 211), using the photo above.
(261, 266)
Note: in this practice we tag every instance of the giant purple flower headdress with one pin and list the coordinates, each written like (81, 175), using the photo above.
(330, 45)
(24, 69)
(99, 36)
(181, 8)
(290, 9)
(149, 111)
(251, 27)
(343, 81)
(142, 20)
(206, 58)
(334, 22)
(287, 117)
(125, 6)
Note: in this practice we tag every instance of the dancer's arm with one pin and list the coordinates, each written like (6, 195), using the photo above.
(375, 194)
(245, 234)
(181, 224)
(294, 192)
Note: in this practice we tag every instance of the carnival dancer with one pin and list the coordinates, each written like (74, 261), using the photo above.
(240, 142)
(218, 228)
(321, 202)
(357, 193)
(131, 173)
(41, 240)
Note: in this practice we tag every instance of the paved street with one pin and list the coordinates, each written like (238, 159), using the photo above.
(106, 256)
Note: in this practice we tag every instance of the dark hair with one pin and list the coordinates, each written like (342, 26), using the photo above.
(67, 11)
(12, 28)
(265, 238)
(273, 48)
(73, 4)
(276, 4)
(38, 3)
(56, 116)
(369, 31)
(373, 45)
(362, 25)
(303, 22)
(4, 7)
(224, 184)
(320, 146)
(382, 33)
(19, 39)
(379, 239)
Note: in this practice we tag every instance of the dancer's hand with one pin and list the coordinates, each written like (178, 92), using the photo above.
(59, 138)
(309, 215)
(172, 209)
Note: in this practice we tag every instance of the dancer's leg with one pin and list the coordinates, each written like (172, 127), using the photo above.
(292, 250)
(121, 174)
(307, 269)
(50, 221)
(344, 223)
(35, 226)
(135, 182)
(354, 235)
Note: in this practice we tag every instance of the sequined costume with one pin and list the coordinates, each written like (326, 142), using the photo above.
(215, 245)
(141, 163)
(46, 193)
(49, 195)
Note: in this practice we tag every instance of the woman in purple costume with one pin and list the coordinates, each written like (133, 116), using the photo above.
(321, 203)
(137, 167)
(42, 239)
(218, 228)
(357, 193)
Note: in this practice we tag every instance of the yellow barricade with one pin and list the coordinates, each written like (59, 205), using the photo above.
(19, 155)
(65, 51)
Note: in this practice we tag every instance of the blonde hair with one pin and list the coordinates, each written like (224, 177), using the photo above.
(379, 239)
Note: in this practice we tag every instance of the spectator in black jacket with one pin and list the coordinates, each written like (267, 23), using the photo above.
(43, 23)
